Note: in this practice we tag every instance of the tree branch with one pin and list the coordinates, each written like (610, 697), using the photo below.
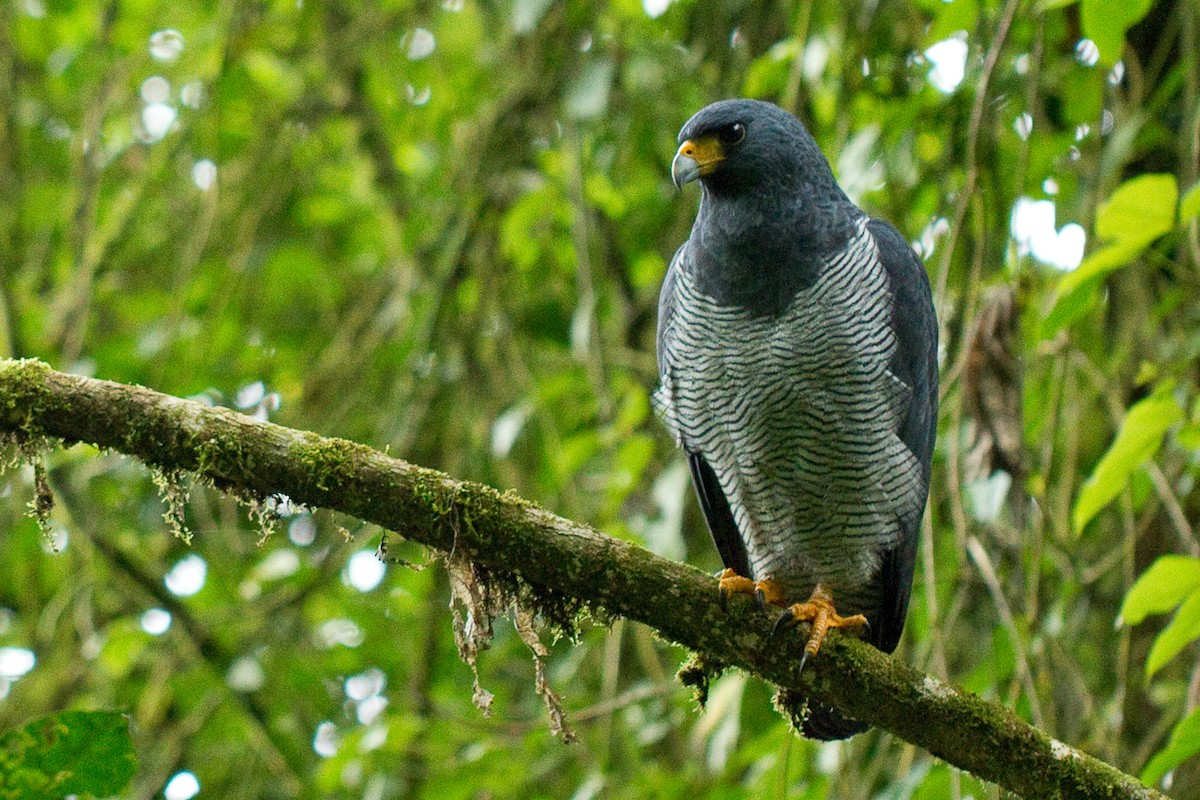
(556, 561)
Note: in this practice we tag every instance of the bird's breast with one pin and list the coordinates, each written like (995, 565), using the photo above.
(797, 413)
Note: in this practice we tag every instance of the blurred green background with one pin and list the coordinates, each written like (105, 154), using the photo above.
(440, 229)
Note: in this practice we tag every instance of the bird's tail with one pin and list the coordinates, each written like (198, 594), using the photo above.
(826, 724)
(815, 720)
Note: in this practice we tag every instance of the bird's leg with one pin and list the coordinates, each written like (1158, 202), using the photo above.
(767, 591)
(821, 614)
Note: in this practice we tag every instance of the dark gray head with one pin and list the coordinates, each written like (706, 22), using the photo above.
(771, 210)
(734, 146)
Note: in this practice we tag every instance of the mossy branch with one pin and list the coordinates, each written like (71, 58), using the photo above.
(555, 558)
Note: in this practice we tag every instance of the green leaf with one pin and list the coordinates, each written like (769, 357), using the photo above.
(1105, 23)
(1070, 306)
(77, 752)
(767, 75)
(1189, 205)
(1183, 744)
(1139, 438)
(1101, 262)
(1189, 436)
(1050, 5)
(601, 193)
(1142, 208)
(951, 18)
(275, 76)
(1138, 212)
(1182, 630)
(1083, 92)
(1162, 587)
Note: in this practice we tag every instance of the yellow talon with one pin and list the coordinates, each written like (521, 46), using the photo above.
(821, 614)
(732, 583)
(767, 591)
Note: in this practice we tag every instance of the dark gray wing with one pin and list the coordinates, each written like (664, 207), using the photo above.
(712, 499)
(914, 363)
(721, 525)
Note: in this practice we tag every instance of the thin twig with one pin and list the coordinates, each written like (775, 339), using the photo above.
(1166, 493)
(974, 131)
(986, 571)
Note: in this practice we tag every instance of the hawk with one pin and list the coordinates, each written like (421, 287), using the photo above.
(797, 352)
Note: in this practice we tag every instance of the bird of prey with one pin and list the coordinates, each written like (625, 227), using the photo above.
(797, 350)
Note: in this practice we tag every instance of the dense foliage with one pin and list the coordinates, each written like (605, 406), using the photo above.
(441, 229)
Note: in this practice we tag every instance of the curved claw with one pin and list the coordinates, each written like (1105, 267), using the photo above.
(803, 660)
(761, 596)
(784, 621)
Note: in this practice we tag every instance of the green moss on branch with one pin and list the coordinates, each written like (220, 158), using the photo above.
(557, 562)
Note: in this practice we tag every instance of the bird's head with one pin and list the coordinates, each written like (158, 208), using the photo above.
(734, 146)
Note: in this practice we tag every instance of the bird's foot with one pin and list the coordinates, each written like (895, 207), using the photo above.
(765, 591)
(823, 617)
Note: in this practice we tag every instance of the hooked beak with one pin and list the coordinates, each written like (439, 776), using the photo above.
(696, 158)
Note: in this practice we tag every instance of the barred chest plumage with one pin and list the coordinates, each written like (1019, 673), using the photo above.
(797, 413)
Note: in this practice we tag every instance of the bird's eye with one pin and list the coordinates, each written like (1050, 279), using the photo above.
(733, 133)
